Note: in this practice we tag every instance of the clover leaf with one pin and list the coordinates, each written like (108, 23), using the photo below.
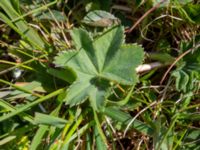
(98, 61)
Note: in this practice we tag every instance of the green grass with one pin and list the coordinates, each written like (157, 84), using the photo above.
(78, 88)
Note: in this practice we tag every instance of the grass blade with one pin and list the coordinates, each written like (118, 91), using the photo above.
(21, 25)
(24, 108)
(38, 136)
(49, 120)
(126, 118)
(9, 107)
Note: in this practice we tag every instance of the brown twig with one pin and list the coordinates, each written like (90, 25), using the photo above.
(179, 57)
(147, 13)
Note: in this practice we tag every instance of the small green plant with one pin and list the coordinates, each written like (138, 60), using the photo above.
(64, 87)
(187, 73)
(97, 62)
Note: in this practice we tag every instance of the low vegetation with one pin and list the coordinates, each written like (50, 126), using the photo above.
(102, 74)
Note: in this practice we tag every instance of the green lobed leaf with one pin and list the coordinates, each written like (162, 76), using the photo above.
(90, 88)
(121, 68)
(65, 74)
(97, 62)
(107, 45)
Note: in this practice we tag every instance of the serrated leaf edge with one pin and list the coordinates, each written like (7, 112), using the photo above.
(63, 53)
